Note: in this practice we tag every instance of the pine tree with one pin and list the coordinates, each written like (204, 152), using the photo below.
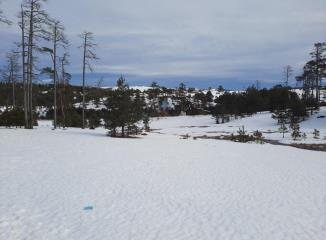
(125, 109)
(316, 134)
(282, 117)
(295, 131)
(209, 97)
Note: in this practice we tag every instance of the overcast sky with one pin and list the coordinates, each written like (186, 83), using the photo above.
(238, 39)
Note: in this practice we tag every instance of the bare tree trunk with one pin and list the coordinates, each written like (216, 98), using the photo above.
(89, 54)
(317, 75)
(34, 26)
(24, 67)
(13, 95)
(62, 110)
(8, 97)
(55, 76)
(123, 131)
(84, 69)
(30, 65)
(63, 93)
(12, 79)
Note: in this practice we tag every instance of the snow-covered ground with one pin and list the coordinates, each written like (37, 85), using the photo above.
(206, 125)
(80, 184)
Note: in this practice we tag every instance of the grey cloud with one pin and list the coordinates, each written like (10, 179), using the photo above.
(234, 38)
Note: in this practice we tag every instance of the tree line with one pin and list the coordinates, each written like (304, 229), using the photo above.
(124, 107)
(280, 98)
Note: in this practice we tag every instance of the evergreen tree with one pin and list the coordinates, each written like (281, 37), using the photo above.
(295, 130)
(281, 117)
(124, 110)
(316, 134)
(209, 97)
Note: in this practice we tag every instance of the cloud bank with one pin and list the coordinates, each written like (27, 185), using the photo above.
(234, 39)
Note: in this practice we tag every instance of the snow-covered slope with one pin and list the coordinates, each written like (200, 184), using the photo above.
(80, 185)
(206, 125)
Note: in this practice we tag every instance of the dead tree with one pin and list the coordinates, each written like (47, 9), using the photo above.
(58, 39)
(64, 84)
(89, 54)
(23, 45)
(34, 21)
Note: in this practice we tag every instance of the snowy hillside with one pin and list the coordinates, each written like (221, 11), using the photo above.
(80, 185)
(206, 125)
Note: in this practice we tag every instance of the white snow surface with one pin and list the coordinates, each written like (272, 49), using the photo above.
(195, 126)
(157, 186)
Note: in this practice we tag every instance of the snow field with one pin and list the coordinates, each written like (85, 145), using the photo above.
(157, 187)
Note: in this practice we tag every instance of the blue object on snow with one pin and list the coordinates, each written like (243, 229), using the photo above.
(88, 208)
